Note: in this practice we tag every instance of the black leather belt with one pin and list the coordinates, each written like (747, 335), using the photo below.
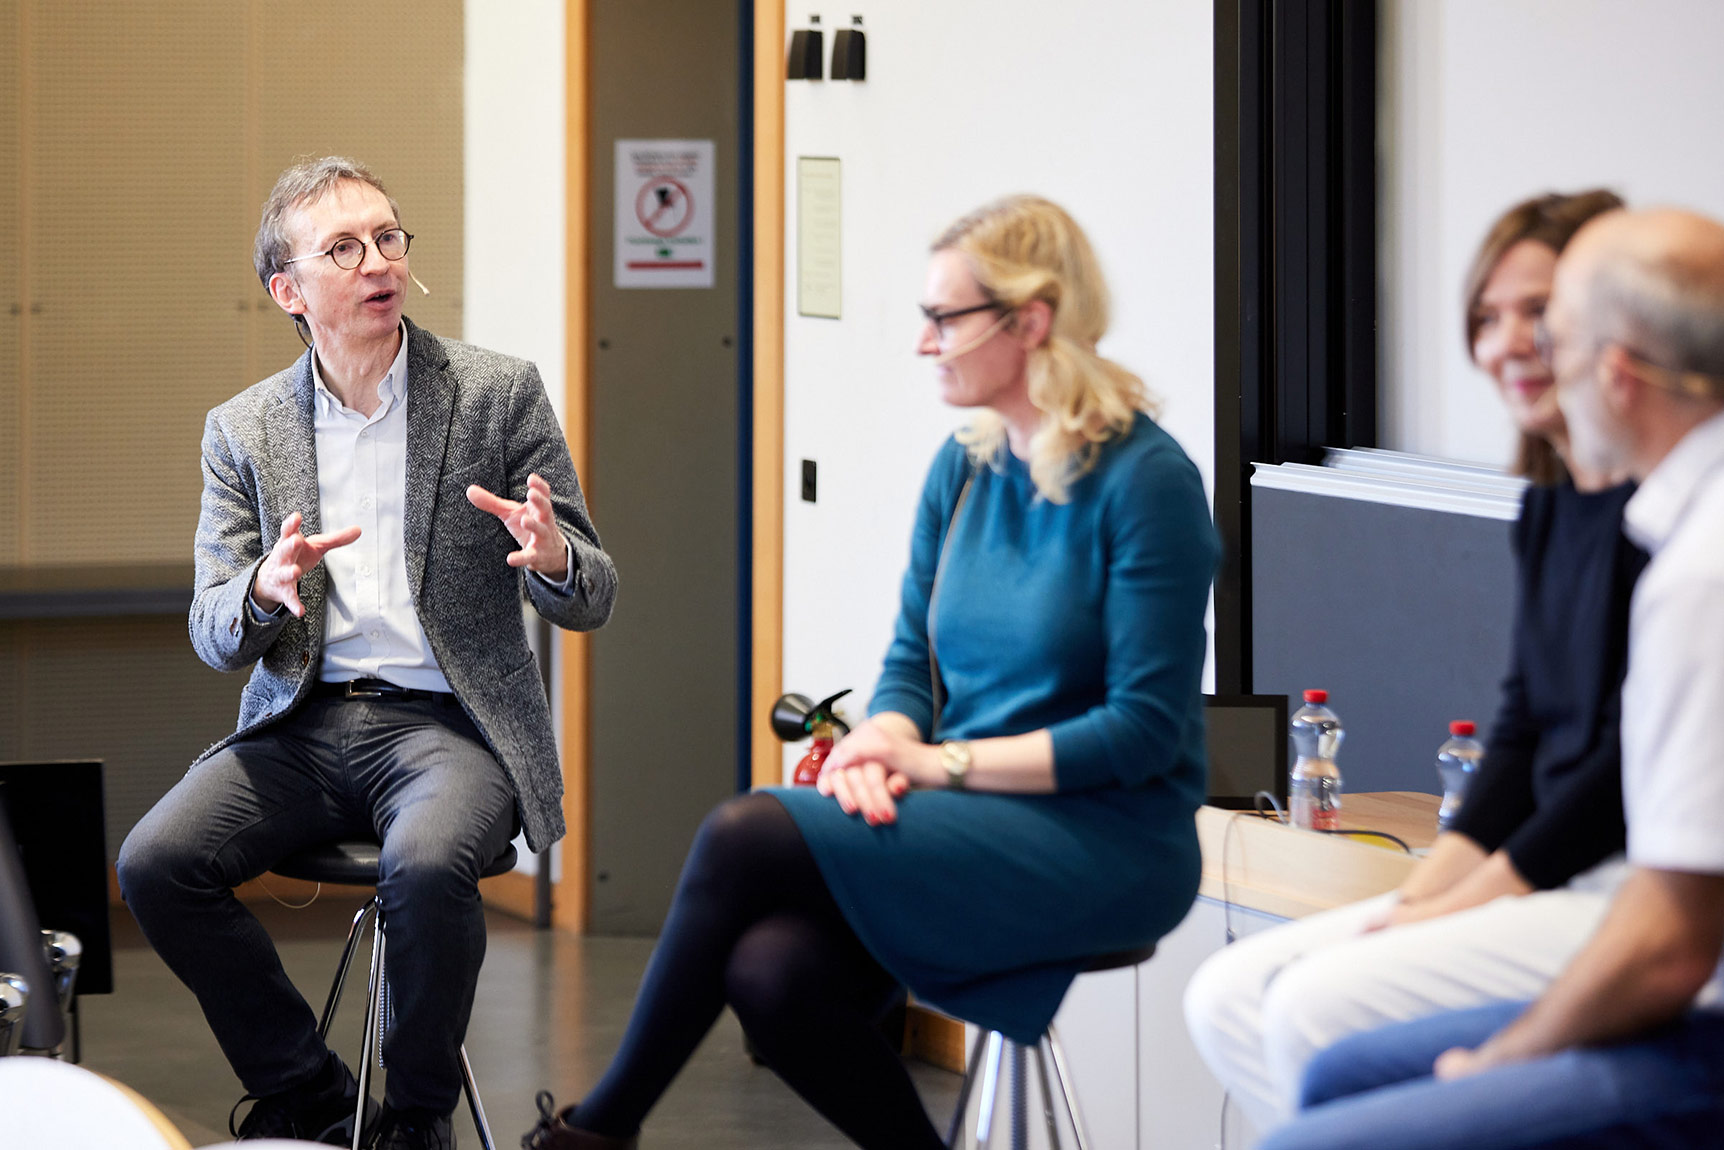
(375, 689)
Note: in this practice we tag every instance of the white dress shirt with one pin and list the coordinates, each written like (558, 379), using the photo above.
(1673, 697)
(370, 629)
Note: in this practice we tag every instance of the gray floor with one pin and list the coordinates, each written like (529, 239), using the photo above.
(551, 1008)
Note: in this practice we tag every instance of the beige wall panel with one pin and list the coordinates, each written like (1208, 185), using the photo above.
(127, 691)
(11, 299)
(382, 83)
(153, 132)
(136, 189)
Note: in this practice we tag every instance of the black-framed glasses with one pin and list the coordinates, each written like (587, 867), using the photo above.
(941, 318)
(349, 251)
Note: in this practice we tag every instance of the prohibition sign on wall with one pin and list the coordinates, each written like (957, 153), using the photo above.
(664, 206)
(664, 214)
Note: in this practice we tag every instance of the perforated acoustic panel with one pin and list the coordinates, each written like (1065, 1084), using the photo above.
(151, 134)
(389, 94)
(11, 297)
(127, 691)
(136, 192)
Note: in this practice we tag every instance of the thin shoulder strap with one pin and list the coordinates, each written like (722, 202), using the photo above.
(939, 694)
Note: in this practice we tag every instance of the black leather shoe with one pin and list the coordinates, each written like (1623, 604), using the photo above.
(412, 1129)
(554, 1133)
(320, 1111)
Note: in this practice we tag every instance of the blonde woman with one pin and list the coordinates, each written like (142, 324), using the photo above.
(995, 824)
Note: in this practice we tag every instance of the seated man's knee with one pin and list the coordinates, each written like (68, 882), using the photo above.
(420, 878)
(152, 865)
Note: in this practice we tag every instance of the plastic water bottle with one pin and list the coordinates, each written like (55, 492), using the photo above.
(1315, 788)
(1457, 763)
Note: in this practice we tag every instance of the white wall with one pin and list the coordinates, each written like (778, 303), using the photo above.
(513, 290)
(1486, 102)
(1106, 107)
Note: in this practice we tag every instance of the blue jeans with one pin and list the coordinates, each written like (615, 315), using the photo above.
(1662, 1092)
(416, 775)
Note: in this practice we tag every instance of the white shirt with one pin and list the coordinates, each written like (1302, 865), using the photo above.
(370, 629)
(1673, 697)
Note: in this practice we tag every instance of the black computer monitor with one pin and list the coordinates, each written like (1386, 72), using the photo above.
(1247, 742)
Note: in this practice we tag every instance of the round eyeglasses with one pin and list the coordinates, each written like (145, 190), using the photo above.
(349, 252)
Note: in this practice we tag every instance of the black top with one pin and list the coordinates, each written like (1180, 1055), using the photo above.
(1550, 789)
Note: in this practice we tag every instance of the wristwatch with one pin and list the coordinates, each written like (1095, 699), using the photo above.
(955, 757)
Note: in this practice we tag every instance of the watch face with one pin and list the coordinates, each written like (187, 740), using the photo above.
(955, 757)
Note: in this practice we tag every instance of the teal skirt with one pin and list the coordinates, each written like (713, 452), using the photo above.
(987, 906)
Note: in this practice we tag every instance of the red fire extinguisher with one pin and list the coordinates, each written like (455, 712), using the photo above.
(793, 716)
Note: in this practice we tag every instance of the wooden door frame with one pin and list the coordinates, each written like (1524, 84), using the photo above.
(570, 904)
(767, 614)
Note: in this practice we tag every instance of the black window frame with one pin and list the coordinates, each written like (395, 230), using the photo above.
(1295, 262)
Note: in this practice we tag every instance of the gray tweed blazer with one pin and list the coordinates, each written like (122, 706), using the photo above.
(473, 416)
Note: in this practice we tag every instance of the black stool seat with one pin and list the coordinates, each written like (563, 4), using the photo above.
(1120, 958)
(354, 863)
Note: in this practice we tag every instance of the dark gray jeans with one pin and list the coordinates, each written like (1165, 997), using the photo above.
(415, 774)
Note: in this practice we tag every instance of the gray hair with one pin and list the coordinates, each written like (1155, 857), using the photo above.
(306, 181)
(1669, 310)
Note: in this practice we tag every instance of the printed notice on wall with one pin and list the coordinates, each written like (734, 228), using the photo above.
(819, 237)
(664, 214)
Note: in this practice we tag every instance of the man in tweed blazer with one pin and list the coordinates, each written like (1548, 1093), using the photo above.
(371, 519)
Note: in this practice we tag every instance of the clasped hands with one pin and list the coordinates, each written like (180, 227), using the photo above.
(875, 765)
(532, 523)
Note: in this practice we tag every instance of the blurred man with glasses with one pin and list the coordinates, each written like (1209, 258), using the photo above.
(372, 517)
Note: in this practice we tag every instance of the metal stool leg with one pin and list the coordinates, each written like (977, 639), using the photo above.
(477, 1107)
(990, 1089)
(1020, 1104)
(340, 983)
(957, 1124)
(1047, 1097)
(1063, 1072)
(373, 1007)
(372, 1044)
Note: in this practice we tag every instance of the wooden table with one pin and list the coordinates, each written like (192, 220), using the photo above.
(1267, 866)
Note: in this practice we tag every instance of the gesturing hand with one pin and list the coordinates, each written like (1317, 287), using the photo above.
(534, 526)
(292, 556)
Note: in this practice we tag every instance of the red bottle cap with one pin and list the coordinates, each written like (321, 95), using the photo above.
(1316, 696)
(1462, 727)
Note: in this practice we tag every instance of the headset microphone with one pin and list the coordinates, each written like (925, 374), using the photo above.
(419, 285)
(964, 349)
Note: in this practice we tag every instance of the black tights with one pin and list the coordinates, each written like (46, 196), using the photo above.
(752, 924)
